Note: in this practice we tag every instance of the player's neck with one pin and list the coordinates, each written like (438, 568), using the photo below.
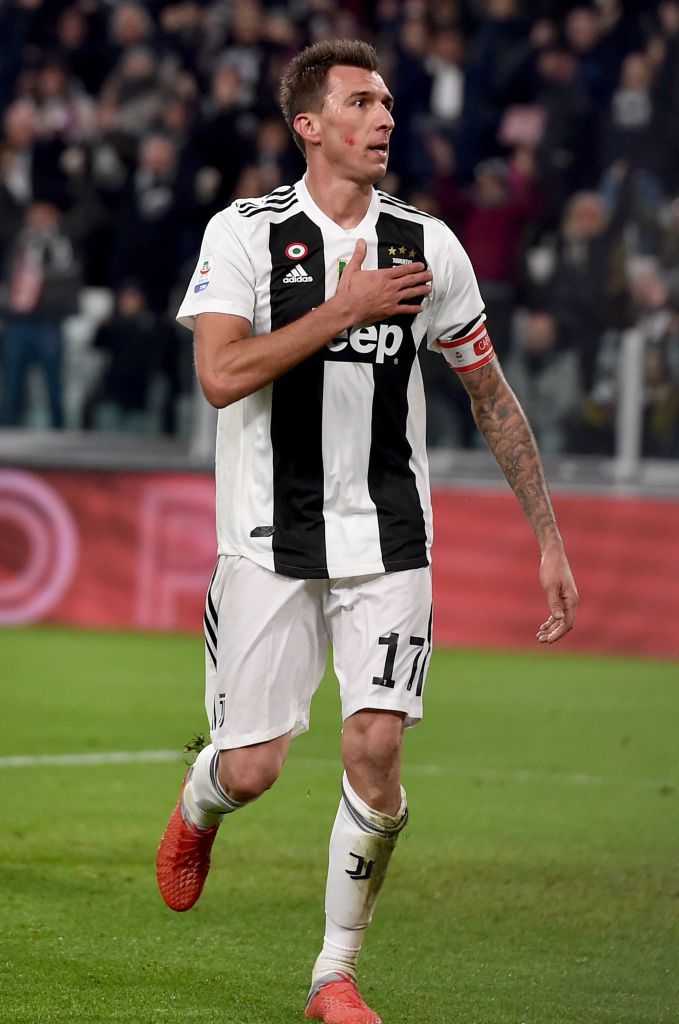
(345, 202)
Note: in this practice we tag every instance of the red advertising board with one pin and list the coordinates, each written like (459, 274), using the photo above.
(128, 550)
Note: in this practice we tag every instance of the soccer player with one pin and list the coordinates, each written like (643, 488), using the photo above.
(308, 306)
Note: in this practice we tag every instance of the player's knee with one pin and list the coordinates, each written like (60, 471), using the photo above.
(245, 776)
(371, 749)
(373, 739)
(251, 785)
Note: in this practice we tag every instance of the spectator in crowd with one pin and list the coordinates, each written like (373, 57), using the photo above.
(30, 168)
(411, 87)
(630, 127)
(81, 48)
(591, 429)
(650, 313)
(220, 142)
(445, 66)
(668, 243)
(17, 21)
(666, 45)
(492, 57)
(133, 94)
(592, 35)
(490, 219)
(64, 110)
(178, 114)
(565, 154)
(449, 422)
(277, 161)
(40, 287)
(245, 52)
(545, 377)
(652, 310)
(181, 27)
(145, 242)
(586, 287)
(136, 345)
(130, 27)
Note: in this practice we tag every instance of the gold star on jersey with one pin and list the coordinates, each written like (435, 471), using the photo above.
(401, 254)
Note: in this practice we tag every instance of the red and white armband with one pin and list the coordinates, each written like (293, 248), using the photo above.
(469, 352)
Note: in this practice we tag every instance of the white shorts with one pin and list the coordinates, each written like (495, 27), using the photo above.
(267, 638)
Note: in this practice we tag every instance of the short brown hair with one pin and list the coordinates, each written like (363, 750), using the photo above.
(304, 83)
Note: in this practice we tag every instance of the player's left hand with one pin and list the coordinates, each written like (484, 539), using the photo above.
(562, 595)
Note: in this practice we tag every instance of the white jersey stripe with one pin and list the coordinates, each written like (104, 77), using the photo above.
(347, 407)
(349, 385)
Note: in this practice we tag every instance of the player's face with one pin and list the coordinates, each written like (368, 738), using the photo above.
(355, 124)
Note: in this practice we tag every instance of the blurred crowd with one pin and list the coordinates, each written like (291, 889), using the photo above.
(542, 131)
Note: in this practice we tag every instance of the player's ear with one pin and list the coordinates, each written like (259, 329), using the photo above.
(307, 126)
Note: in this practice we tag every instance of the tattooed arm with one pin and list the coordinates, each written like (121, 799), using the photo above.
(505, 429)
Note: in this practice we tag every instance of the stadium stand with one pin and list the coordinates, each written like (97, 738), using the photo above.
(542, 132)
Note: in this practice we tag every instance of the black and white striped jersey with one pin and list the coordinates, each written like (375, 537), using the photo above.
(324, 472)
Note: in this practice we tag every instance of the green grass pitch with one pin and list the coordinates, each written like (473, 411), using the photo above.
(537, 883)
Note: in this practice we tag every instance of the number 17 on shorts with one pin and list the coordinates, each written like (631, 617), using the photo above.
(382, 643)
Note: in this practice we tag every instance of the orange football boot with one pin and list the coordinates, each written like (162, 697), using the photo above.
(336, 1000)
(183, 858)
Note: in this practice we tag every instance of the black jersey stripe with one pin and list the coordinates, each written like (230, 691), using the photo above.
(467, 327)
(400, 205)
(210, 627)
(391, 481)
(427, 656)
(210, 644)
(408, 210)
(248, 211)
(298, 541)
(271, 209)
(209, 603)
(278, 193)
(397, 201)
(264, 200)
(249, 204)
(213, 655)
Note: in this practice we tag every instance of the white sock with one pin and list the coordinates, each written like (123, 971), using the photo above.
(361, 845)
(204, 802)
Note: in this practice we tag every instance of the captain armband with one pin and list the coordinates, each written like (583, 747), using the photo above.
(469, 352)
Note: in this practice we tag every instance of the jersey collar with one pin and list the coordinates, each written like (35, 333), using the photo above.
(323, 221)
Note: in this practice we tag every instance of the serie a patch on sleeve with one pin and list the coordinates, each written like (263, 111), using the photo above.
(469, 352)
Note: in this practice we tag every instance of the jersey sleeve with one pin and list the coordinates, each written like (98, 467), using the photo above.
(224, 278)
(457, 326)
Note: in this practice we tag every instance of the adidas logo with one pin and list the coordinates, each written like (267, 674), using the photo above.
(297, 275)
